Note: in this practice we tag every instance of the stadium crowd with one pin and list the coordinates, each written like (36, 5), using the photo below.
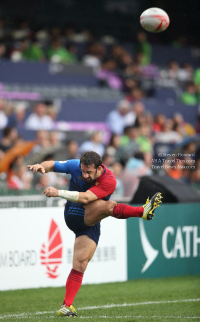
(137, 139)
(115, 65)
(130, 153)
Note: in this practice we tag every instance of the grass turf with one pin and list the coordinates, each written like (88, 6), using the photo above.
(14, 303)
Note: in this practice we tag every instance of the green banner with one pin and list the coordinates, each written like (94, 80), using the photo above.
(168, 245)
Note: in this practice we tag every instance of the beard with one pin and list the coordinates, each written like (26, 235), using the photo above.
(85, 180)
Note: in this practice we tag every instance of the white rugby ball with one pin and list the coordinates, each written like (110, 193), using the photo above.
(154, 20)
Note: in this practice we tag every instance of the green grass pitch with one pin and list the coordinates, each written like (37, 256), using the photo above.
(168, 296)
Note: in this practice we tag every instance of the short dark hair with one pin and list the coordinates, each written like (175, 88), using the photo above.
(91, 157)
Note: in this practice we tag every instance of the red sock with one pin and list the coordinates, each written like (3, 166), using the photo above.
(73, 284)
(122, 211)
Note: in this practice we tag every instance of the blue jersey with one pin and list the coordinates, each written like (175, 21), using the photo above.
(73, 167)
(74, 212)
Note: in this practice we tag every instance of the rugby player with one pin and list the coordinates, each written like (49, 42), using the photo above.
(91, 186)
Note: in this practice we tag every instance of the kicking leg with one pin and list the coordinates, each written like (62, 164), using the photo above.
(100, 209)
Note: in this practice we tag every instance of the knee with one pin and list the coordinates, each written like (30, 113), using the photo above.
(110, 206)
(80, 265)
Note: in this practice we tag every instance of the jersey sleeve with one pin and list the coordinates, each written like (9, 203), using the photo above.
(66, 166)
(105, 188)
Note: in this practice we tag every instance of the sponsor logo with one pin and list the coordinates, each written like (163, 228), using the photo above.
(182, 242)
(149, 251)
(51, 255)
(185, 241)
(18, 258)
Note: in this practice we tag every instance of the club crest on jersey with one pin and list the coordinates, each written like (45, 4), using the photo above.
(96, 183)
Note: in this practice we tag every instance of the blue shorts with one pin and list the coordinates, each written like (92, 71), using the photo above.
(74, 218)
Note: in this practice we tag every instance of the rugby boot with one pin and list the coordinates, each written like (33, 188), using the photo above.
(68, 311)
(151, 205)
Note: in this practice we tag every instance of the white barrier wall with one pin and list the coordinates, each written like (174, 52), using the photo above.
(36, 250)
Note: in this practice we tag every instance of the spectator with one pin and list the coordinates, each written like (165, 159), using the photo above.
(42, 141)
(51, 110)
(143, 139)
(95, 55)
(3, 117)
(168, 135)
(131, 116)
(22, 32)
(173, 69)
(125, 61)
(128, 143)
(20, 51)
(197, 77)
(21, 178)
(189, 97)
(117, 53)
(138, 110)
(116, 119)
(107, 75)
(94, 144)
(34, 52)
(186, 129)
(135, 94)
(113, 145)
(137, 166)
(144, 47)
(19, 113)
(42, 36)
(55, 32)
(59, 54)
(16, 115)
(54, 138)
(117, 170)
(69, 33)
(130, 134)
(160, 121)
(72, 51)
(10, 136)
(72, 150)
(186, 73)
(108, 159)
(39, 120)
(149, 119)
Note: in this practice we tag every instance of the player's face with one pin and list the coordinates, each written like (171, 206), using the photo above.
(89, 172)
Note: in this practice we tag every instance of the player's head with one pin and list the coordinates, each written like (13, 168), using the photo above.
(90, 163)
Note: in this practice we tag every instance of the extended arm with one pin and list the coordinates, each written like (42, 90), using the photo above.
(74, 196)
(44, 167)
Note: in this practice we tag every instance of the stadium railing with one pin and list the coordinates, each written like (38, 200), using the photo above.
(40, 201)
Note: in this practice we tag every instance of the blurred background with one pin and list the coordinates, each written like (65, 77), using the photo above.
(80, 76)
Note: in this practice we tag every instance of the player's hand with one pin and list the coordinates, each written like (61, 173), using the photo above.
(36, 168)
(51, 192)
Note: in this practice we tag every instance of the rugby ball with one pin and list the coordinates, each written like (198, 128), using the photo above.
(154, 20)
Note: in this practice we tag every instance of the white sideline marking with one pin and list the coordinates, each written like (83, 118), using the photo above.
(135, 304)
(140, 317)
(30, 315)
